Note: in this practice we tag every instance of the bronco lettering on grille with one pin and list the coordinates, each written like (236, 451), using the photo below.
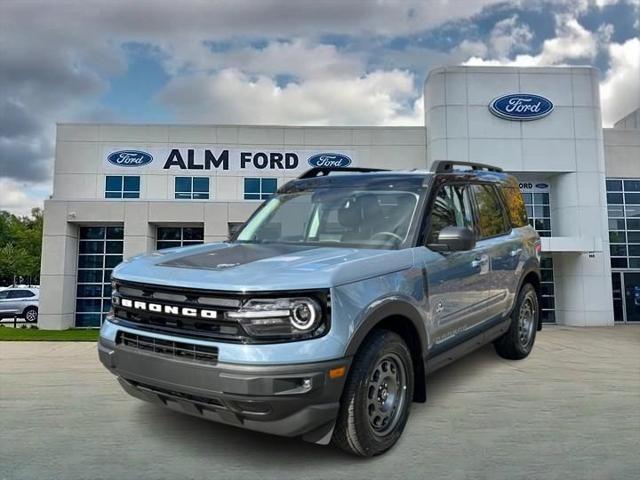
(166, 309)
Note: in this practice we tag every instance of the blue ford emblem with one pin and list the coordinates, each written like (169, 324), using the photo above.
(542, 185)
(130, 158)
(521, 106)
(329, 160)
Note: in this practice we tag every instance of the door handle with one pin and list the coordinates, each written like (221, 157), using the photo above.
(479, 262)
(516, 252)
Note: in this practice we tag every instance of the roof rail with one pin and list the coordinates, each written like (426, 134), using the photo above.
(446, 166)
(323, 171)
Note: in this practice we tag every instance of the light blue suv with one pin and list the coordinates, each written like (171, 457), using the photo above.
(321, 318)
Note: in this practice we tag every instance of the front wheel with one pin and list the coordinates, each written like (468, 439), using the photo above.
(31, 314)
(517, 342)
(377, 397)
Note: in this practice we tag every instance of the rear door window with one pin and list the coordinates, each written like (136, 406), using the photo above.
(491, 218)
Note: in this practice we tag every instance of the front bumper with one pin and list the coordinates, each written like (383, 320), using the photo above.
(291, 400)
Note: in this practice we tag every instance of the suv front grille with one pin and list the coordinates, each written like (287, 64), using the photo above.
(157, 299)
(178, 350)
(187, 312)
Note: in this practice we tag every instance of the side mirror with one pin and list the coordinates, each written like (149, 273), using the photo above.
(454, 239)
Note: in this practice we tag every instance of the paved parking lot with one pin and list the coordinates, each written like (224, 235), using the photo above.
(570, 411)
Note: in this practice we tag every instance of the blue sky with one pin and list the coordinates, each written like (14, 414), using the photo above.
(132, 93)
(333, 62)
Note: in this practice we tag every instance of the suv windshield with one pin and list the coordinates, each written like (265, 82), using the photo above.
(360, 217)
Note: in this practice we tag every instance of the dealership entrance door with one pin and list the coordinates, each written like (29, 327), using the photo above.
(626, 296)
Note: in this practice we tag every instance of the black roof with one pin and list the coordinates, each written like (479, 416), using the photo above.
(381, 179)
(378, 178)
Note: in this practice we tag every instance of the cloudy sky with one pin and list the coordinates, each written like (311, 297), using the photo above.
(316, 62)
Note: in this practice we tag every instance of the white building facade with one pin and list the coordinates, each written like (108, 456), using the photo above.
(122, 190)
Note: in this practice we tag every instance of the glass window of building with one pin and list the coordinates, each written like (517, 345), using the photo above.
(99, 250)
(192, 188)
(623, 199)
(170, 237)
(537, 203)
(122, 186)
(259, 188)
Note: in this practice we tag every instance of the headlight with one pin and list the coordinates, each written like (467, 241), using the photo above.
(281, 317)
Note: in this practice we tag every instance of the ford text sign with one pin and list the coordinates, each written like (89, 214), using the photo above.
(329, 160)
(130, 158)
(521, 106)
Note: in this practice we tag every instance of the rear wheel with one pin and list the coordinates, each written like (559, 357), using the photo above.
(30, 314)
(517, 342)
(377, 397)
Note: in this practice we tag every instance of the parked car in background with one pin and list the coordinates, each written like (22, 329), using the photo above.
(20, 301)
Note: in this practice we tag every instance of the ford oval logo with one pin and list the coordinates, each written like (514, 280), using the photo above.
(542, 185)
(329, 160)
(130, 158)
(521, 106)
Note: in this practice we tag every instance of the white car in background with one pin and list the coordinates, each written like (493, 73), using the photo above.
(20, 301)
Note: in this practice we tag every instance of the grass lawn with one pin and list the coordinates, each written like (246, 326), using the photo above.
(33, 335)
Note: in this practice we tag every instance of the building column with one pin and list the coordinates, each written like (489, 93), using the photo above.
(139, 234)
(582, 279)
(216, 219)
(58, 269)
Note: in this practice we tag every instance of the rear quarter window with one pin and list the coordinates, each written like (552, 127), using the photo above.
(514, 202)
(491, 218)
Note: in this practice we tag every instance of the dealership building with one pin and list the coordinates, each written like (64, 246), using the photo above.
(121, 190)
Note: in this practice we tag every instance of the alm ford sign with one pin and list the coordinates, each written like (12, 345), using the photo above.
(130, 158)
(329, 160)
(219, 158)
(521, 106)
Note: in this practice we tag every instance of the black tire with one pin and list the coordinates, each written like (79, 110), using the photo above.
(518, 341)
(359, 406)
(30, 314)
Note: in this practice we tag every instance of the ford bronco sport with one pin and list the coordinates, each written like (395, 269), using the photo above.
(322, 316)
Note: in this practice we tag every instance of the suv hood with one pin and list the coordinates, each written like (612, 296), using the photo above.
(261, 267)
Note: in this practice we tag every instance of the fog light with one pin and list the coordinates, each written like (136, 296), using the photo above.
(292, 386)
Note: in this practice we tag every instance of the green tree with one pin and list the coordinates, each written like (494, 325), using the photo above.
(20, 246)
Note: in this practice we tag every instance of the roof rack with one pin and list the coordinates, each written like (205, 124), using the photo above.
(446, 166)
(323, 171)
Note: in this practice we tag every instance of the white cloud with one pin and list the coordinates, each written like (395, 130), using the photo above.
(620, 90)
(232, 96)
(298, 57)
(606, 3)
(471, 48)
(572, 42)
(328, 87)
(20, 197)
(605, 32)
(508, 36)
